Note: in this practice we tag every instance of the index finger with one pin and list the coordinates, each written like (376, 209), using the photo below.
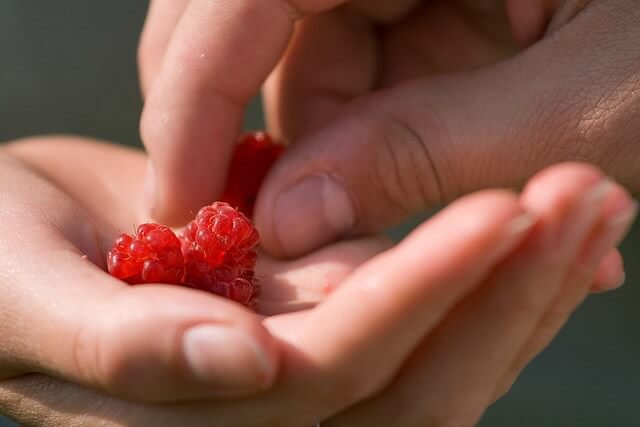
(216, 61)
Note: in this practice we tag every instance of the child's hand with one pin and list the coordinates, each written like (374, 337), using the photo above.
(392, 105)
(63, 203)
(440, 325)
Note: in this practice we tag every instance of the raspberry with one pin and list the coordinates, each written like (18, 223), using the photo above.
(216, 252)
(152, 256)
(253, 157)
(219, 252)
(226, 281)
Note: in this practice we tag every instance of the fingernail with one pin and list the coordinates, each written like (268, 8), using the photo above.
(521, 224)
(149, 186)
(516, 230)
(584, 214)
(614, 230)
(590, 205)
(625, 218)
(225, 357)
(597, 194)
(315, 211)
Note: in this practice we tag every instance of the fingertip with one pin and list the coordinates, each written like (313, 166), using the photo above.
(483, 212)
(611, 273)
(563, 180)
(188, 160)
(528, 19)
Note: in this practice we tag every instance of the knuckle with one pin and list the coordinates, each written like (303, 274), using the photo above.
(529, 302)
(146, 57)
(143, 51)
(150, 128)
(96, 358)
(408, 172)
(86, 354)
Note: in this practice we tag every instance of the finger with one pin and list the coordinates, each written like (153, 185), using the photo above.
(218, 57)
(64, 316)
(427, 141)
(463, 359)
(162, 18)
(353, 343)
(497, 223)
(150, 343)
(331, 60)
(615, 220)
(610, 274)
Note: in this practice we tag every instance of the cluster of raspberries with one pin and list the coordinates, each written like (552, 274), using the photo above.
(216, 252)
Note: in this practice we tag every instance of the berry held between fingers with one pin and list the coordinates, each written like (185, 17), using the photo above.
(153, 255)
(253, 157)
(216, 252)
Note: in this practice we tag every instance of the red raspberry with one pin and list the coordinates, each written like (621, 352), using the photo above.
(226, 281)
(253, 157)
(219, 251)
(152, 256)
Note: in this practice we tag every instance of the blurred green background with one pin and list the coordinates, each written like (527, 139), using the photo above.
(69, 67)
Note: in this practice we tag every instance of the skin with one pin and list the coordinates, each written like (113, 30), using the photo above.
(390, 106)
(434, 103)
(504, 272)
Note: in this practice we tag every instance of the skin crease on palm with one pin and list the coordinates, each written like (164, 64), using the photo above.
(348, 376)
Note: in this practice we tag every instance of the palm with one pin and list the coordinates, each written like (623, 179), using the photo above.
(111, 185)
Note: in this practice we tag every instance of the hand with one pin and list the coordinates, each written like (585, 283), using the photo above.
(63, 203)
(392, 106)
(461, 305)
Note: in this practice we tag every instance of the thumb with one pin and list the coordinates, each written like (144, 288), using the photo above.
(390, 155)
(149, 343)
(398, 151)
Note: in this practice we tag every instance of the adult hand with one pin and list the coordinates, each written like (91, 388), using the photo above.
(392, 106)
(461, 305)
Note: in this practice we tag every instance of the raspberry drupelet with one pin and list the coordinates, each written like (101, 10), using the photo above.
(219, 252)
(153, 255)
